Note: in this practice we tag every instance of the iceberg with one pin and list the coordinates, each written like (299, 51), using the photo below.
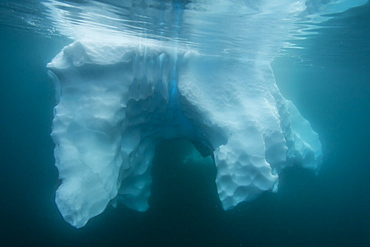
(120, 95)
(116, 103)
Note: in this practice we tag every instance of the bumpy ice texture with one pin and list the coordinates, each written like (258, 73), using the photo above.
(116, 102)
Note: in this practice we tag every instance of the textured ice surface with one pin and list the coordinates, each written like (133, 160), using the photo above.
(116, 103)
(119, 95)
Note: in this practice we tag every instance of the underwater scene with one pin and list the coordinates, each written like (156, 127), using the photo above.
(185, 123)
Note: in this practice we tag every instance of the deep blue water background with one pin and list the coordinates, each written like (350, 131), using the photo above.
(330, 84)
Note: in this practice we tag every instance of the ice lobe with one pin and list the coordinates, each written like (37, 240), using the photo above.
(116, 102)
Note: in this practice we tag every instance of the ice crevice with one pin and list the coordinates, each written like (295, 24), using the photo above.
(117, 101)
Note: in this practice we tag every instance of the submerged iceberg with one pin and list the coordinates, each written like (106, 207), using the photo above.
(117, 98)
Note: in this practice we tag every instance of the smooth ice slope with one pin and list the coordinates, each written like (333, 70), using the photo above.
(115, 103)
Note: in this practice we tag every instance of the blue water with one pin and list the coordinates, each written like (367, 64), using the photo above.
(329, 81)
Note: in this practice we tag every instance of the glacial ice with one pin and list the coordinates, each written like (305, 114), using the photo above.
(117, 98)
(116, 103)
